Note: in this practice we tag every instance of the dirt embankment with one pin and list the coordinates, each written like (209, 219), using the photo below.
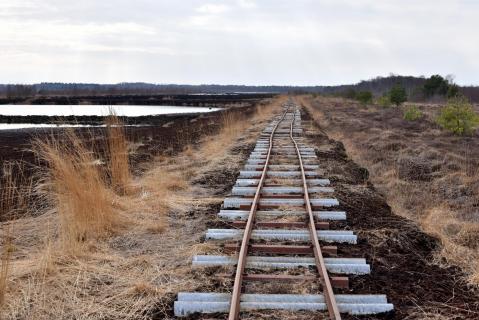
(154, 135)
(245, 99)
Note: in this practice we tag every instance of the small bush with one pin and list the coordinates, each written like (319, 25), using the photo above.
(398, 95)
(452, 91)
(364, 97)
(458, 117)
(349, 94)
(384, 101)
(412, 113)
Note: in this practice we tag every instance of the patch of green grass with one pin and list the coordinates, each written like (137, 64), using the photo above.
(412, 113)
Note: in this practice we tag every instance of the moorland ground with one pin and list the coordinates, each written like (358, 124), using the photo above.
(135, 270)
(427, 174)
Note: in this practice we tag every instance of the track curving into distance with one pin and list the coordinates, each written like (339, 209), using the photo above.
(280, 213)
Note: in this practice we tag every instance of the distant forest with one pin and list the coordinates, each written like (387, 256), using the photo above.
(414, 87)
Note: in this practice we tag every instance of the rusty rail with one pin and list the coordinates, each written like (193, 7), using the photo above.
(318, 255)
(236, 295)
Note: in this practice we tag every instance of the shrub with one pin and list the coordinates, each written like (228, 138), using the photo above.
(458, 117)
(453, 91)
(435, 85)
(364, 97)
(412, 113)
(384, 101)
(349, 94)
(398, 95)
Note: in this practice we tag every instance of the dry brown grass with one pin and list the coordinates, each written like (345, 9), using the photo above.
(78, 190)
(232, 124)
(427, 175)
(5, 263)
(265, 110)
(16, 190)
(118, 163)
(440, 222)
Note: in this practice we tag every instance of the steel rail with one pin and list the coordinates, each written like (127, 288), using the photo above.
(318, 255)
(236, 295)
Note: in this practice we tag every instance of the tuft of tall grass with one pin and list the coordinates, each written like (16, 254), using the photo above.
(16, 190)
(118, 162)
(5, 263)
(77, 188)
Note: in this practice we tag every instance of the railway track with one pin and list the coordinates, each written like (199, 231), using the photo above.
(280, 212)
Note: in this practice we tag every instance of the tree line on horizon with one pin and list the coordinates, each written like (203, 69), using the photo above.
(456, 115)
(435, 88)
(398, 89)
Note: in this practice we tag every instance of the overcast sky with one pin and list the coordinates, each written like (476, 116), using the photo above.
(301, 42)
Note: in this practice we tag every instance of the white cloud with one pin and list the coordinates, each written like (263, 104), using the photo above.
(247, 3)
(211, 8)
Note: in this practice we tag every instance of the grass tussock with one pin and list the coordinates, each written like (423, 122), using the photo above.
(16, 190)
(77, 188)
(118, 162)
(6, 252)
(427, 174)
(458, 239)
